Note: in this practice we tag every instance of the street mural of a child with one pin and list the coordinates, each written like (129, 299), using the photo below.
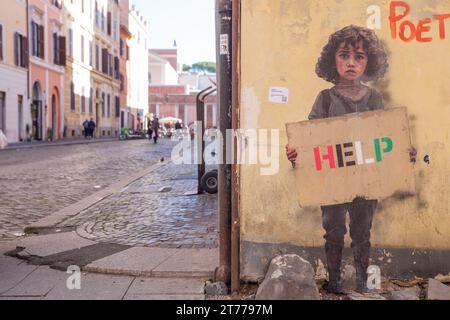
(353, 55)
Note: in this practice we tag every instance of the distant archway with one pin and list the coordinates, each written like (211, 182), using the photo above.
(55, 115)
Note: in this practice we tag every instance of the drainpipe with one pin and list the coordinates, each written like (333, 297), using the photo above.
(223, 41)
(235, 225)
(28, 42)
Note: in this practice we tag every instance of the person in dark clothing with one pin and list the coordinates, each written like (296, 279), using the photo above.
(155, 128)
(92, 127)
(86, 128)
(149, 129)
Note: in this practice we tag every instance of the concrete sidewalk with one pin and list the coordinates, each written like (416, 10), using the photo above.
(39, 267)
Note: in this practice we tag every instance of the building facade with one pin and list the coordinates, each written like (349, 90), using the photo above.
(92, 71)
(134, 74)
(173, 94)
(47, 60)
(15, 112)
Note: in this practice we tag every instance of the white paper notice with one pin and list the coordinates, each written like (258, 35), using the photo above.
(279, 95)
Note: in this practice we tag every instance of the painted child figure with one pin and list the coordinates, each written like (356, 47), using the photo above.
(352, 55)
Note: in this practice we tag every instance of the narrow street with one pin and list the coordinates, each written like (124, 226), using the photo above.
(38, 182)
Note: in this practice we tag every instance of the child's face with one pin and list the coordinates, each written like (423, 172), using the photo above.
(351, 62)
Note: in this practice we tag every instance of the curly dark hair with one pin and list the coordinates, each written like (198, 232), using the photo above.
(351, 35)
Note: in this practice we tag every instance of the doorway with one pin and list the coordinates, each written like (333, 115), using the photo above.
(36, 112)
(20, 117)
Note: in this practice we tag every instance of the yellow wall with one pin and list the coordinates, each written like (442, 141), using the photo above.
(281, 42)
(13, 18)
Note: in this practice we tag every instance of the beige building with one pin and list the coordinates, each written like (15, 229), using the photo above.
(15, 115)
(92, 29)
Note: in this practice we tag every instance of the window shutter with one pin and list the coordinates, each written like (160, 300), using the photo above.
(25, 54)
(33, 39)
(117, 67)
(62, 51)
(41, 42)
(16, 49)
(109, 23)
(55, 48)
(1, 42)
(117, 107)
(104, 60)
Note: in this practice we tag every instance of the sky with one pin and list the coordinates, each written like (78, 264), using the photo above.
(191, 23)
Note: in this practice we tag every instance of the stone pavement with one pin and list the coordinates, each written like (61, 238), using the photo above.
(161, 209)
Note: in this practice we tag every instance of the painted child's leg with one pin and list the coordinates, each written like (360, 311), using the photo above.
(333, 220)
(361, 216)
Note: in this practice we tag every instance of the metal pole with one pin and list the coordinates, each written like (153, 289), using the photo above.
(235, 226)
(223, 40)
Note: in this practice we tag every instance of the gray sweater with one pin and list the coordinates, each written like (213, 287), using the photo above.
(339, 105)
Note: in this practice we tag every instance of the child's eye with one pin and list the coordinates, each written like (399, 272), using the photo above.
(360, 57)
(343, 56)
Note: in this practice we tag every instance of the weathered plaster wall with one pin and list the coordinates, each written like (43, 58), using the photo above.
(281, 42)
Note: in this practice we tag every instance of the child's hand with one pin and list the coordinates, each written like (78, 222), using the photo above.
(292, 155)
(413, 155)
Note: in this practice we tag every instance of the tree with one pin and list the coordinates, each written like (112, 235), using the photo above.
(205, 66)
(186, 67)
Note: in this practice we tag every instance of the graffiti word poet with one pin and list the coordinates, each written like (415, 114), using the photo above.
(408, 30)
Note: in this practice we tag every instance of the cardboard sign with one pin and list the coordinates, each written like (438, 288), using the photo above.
(357, 155)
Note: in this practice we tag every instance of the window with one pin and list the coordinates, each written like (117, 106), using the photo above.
(2, 112)
(116, 68)
(114, 29)
(97, 14)
(83, 100)
(1, 42)
(71, 43)
(20, 50)
(103, 20)
(109, 106)
(122, 47)
(117, 107)
(91, 60)
(109, 22)
(105, 65)
(91, 101)
(72, 97)
(103, 104)
(59, 49)
(37, 40)
(82, 49)
(97, 57)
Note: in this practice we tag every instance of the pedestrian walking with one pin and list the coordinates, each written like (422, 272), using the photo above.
(149, 129)
(155, 127)
(92, 126)
(86, 128)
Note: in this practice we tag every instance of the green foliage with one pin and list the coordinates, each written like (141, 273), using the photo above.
(204, 66)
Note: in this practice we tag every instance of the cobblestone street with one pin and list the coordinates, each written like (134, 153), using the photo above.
(157, 210)
(37, 182)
